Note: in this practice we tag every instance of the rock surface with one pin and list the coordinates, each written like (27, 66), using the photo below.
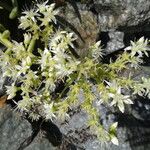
(40, 143)
(115, 13)
(14, 131)
(88, 29)
(127, 16)
(115, 43)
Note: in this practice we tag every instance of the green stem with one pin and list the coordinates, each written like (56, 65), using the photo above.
(32, 44)
(2, 28)
(5, 41)
(65, 88)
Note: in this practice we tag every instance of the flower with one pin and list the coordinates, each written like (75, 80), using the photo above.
(42, 6)
(11, 91)
(140, 47)
(96, 50)
(24, 104)
(117, 97)
(119, 100)
(24, 66)
(48, 12)
(61, 41)
(46, 59)
(48, 110)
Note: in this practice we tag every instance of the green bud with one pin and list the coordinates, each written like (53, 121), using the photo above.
(13, 14)
(6, 34)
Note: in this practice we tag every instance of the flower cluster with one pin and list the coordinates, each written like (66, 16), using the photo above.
(38, 70)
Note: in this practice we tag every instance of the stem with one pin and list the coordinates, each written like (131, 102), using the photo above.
(32, 44)
(2, 28)
(65, 88)
(5, 41)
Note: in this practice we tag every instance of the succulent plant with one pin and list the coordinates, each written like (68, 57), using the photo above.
(39, 70)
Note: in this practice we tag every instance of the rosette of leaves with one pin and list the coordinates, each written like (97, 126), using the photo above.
(38, 72)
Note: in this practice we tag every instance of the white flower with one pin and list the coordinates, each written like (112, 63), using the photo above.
(46, 59)
(19, 50)
(24, 104)
(11, 91)
(31, 14)
(28, 19)
(119, 100)
(50, 84)
(113, 87)
(24, 22)
(42, 6)
(96, 50)
(25, 65)
(140, 47)
(136, 61)
(48, 13)
(117, 97)
(62, 70)
(48, 110)
(61, 41)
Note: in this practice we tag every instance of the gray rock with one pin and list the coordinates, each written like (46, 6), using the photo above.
(141, 107)
(40, 143)
(97, 145)
(14, 130)
(76, 132)
(115, 43)
(88, 29)
(115, 13)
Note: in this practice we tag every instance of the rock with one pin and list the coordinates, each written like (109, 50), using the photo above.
(76, 132)
(115, 13)
(137, 133)
(40, 143)
(141, 107)
(123, 145)
(88, 28)
(14, 130)
(115, 43)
